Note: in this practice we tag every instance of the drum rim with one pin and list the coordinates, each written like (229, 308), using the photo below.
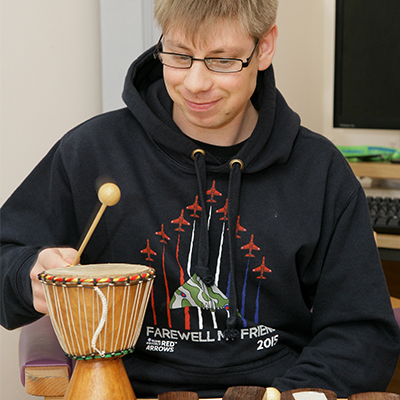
(47, 278)
(93, 356)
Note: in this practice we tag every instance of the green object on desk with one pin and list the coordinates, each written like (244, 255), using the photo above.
(370, 153)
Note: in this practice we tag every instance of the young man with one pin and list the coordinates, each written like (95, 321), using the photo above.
(235, 198)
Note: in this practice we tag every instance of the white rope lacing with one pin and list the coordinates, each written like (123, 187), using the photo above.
(103, 320)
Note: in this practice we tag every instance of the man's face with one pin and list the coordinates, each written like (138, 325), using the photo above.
(208, 104)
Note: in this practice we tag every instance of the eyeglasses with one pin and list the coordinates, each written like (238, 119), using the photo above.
(215, 64)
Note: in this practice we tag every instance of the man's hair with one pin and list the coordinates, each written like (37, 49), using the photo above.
(196, 18)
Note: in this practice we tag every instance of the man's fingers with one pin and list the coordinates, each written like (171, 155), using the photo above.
(50, 258)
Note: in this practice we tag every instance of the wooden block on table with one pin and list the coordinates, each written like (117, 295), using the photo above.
(244, 393)
(308, 394)
(50, 382)
(178, 396)
(375, 396)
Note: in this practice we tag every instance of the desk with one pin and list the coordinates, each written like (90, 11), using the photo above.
(381, 170)
(387, 241)
(384, 170)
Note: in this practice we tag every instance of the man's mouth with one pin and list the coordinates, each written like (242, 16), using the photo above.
(201, 106)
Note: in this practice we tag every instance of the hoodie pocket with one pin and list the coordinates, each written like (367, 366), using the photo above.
(182, 377)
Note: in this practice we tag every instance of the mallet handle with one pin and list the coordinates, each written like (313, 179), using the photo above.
(89, 234)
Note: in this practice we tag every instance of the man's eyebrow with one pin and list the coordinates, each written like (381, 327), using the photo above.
(217, 51)
(172, 43)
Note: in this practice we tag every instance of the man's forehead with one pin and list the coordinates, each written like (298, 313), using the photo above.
(219, 35)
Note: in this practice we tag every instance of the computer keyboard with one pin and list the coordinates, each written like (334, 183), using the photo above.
(385, 214)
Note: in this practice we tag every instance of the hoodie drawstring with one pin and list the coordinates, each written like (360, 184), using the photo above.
(235, 179)
(202, 268)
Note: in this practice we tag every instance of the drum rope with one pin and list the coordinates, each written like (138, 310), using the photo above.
(61, 319)
(87, 344)
(106, 329)
(142, 311)
(142, 293)
(79, 314)
(123, 307)
(126, 313)
(52, 310)
(70, 319)
(122, 325)
(113, 319)
(102, 321)
(132, 319)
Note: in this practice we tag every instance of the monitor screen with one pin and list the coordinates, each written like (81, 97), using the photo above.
(367, 64)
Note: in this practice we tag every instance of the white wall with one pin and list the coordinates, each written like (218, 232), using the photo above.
(50, 78)
(51, 81)
(127, 29)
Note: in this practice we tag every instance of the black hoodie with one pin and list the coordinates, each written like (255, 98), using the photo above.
(281, 286)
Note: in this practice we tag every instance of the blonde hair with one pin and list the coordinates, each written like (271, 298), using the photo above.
(196, 18)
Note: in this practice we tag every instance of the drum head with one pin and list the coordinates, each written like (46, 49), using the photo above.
(98, 273)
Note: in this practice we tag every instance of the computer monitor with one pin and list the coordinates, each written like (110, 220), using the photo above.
(367, 64)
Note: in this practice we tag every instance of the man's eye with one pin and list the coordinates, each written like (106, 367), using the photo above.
(180, 58)
(222, 63)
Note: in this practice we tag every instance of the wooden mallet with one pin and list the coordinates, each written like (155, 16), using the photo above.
(109, 195)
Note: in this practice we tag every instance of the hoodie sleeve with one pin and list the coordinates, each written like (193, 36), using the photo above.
(30, 220)
(355, 338)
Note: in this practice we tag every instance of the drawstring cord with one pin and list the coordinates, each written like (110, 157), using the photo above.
(231, 333)
(202, 267)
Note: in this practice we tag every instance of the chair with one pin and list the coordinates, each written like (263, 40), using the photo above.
(45, 370)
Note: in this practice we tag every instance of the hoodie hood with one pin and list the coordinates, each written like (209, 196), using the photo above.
(146, 96)
(144, 84)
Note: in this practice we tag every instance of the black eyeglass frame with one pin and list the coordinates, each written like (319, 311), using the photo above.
(245, 64)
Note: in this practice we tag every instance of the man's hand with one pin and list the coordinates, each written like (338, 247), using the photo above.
(48, 259)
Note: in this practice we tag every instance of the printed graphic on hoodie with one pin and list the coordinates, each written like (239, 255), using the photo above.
(192, 293)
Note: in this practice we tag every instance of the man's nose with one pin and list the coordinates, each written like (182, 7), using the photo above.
(198, 77)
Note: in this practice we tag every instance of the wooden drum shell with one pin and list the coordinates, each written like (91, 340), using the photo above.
(97, 310)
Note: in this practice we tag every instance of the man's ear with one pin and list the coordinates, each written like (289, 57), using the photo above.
(266, 48)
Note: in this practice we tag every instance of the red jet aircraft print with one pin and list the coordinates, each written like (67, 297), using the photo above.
(147, 250)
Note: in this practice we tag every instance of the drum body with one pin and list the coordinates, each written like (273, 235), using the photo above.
(97, 310)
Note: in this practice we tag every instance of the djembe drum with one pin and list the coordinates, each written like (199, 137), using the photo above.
(97, 313)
